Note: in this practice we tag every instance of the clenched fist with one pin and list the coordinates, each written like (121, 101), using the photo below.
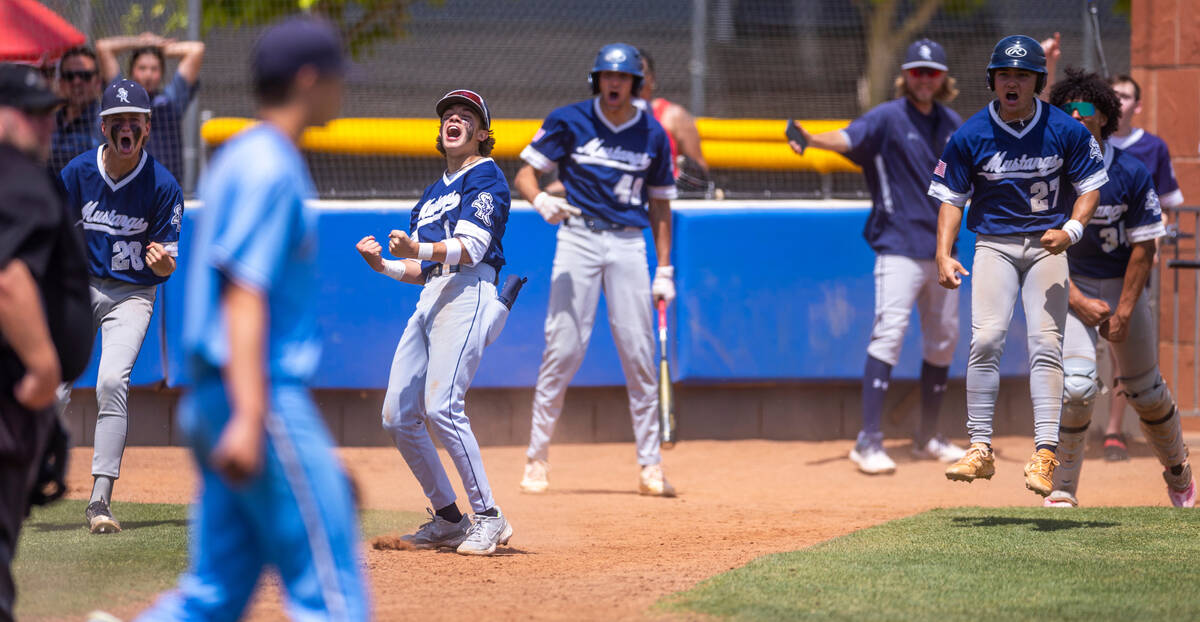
(371, 251)
(400, 245)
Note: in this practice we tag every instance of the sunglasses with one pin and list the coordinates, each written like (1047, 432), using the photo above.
(70, 76)
(1085, 109)
(925, 72)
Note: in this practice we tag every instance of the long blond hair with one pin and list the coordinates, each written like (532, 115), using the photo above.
(945, 95)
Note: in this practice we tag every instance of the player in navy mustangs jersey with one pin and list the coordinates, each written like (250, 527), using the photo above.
(1109, 269)
(615, 162)
(1013, 160)
(897, 143)
(454, 251)
(130, 209)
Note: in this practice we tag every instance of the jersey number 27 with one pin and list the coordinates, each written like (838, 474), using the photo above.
(1039, 192)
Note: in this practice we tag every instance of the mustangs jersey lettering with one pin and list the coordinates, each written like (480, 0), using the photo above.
(472, 203)
(1015, 178)
(610, 172)
(1128, 213)
(121, 218)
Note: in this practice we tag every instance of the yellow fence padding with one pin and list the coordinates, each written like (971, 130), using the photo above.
(755, 144)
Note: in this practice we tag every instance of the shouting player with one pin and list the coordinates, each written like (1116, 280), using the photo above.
(131, 210)
(454, 251)
(897, 143)
(272, 490)
(1011, 159)
(1109, 269)
(615, 162)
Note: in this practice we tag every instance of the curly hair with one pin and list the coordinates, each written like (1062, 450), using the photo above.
(1080, 85)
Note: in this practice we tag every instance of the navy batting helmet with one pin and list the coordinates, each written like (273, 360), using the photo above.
(620, 57)
(1019, 52)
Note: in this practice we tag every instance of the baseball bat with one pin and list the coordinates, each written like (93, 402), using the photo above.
(666, 400)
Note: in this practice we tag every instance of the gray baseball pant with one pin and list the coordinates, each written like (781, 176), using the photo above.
(432, 369)
(1137, 358)
(121, 311)
(585, 263)
(901, 282)
(1004, 267)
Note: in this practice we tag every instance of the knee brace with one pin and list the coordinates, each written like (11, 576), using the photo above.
(1149, 396)
(1081, 385)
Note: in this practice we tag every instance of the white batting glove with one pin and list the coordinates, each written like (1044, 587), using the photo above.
(554, 209)
(664, 283)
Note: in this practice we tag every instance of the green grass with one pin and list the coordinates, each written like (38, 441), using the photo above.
(975, 564)
(62, 570)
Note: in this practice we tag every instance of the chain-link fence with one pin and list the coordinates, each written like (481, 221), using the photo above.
(730, 59)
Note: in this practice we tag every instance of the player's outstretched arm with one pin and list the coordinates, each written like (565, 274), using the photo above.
(1137, 272)
(239, 451)
(830, 141)
(23, 325)
(949, 269)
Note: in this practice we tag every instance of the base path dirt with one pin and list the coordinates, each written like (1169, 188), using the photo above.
(592, 548)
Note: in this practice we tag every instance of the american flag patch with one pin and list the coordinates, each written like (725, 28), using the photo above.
(538, 136)
(940, 170)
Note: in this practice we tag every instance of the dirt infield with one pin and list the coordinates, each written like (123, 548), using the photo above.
(591, 548)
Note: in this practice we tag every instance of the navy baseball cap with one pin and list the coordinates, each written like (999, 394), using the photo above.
(124, 96)
(470, 98)
(23, 87)
(925, 53)
(295, 42)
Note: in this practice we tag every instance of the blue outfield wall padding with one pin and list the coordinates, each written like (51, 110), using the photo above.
(765, 294)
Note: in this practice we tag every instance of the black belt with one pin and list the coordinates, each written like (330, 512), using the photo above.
(436, 270)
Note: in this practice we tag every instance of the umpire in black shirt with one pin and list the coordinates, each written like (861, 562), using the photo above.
(45, 316)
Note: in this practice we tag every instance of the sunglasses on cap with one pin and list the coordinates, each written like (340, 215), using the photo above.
(82, 75)
(1085, 109)
(925, 72)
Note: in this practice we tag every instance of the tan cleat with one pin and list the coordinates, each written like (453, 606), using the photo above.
(1039, 473)
(978, 463)
(537, 476)
(653, 483)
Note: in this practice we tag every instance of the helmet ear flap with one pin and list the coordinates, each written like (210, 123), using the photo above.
(1041, 84)
(991, 80)
(637, 86)
(594, 82)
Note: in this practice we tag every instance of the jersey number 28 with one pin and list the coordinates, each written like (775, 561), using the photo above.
(126, 254)
(1038, 193)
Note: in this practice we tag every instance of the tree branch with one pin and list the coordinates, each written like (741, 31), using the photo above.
(917, 20)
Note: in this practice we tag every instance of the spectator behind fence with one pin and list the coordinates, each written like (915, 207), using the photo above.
(76, 126)
(686, 156)
(147, 66)
(44, 336)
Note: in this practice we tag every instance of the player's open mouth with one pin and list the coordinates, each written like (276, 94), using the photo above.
(125, 145)
(613, 97)
(1012, 96)
(453, 132)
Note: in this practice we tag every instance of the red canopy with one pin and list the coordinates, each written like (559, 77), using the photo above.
(30, 32)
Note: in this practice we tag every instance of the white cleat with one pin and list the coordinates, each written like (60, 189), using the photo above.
(938, 448)
(537, 476)
(653, 483)
(486, 534)
(872, 460)
(1060, 499)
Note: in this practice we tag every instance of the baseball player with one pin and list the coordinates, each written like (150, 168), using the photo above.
(897, 143)
(615, 162)
(454, 251)
(273, 492)
(1109, 269)
(1012, 160)
(1153, 152)
(131, 209)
